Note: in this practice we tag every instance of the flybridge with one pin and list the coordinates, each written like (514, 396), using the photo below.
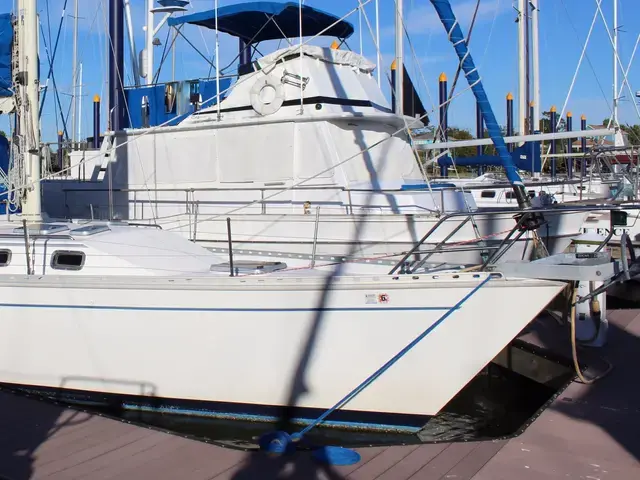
(252, 22)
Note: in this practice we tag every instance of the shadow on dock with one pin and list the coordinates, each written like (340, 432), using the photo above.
(25, 428)
(612, 403)
(297, 466)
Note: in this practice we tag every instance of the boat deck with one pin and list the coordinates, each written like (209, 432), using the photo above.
(588, 432)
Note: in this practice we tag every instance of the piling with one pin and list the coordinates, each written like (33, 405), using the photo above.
(510, 119)
(479, 134)
(393, 86)
(569, 144)
(583, 147)
(244, 52)
(553, 122)
(96, 121)
(444, 114)
(60, 150)
(532, 128)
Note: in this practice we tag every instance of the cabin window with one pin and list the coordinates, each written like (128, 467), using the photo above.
(510, 195)
(5, 258)
(488, 194)
(66, 260)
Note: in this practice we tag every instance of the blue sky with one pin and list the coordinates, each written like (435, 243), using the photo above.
(563, 29)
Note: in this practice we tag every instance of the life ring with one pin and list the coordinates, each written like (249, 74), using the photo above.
(267, 95)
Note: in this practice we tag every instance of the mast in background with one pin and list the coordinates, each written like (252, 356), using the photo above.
(79, 137)
(378, 52)
(527, 67)
(132, 43)
(523, 90)
(535, 53)
(148, 57)
(29, 107)
(615, 63)
(74, 80)
(399, 72)
(168, 8)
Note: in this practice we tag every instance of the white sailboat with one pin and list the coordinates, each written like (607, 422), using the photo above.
(143, 318)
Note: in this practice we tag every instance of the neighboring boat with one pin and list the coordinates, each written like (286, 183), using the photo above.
(492, 191)
(302, 150)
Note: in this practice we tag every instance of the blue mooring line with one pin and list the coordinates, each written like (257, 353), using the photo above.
(280, 442)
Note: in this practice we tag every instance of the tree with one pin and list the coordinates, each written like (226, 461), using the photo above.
(632, 131)
(545, 123)
(454, 133)
(2, 133)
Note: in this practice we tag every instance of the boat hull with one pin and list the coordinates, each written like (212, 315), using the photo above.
(248, 342)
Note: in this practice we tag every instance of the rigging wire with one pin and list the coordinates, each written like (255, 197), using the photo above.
(617, 58)
(155, 76)
(583, 55)
(55, 86)
(55, 106)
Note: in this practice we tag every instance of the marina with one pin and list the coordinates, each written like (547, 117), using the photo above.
(293, 267)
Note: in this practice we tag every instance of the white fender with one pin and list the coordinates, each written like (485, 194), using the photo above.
(267, 95)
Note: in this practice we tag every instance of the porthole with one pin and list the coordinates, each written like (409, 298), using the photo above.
(67, 260)
(5, 258)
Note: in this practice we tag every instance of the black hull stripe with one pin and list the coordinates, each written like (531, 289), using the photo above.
(346, 102)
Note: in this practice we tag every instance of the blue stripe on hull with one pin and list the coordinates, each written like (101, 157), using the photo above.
(255, 418)
(214, 309)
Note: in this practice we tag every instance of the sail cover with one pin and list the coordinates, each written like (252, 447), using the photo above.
(6, 38)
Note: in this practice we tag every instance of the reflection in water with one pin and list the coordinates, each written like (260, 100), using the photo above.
(496, 403)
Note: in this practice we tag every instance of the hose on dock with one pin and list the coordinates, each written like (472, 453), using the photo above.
(574, 341)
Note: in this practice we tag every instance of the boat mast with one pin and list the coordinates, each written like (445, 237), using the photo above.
(615, 63)
(74, 72)
(378, 52)
(535, 53)
(522, 68)
(132, 43)
(148, 68)
(399, 72)
(29, 105)
(79, 103)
